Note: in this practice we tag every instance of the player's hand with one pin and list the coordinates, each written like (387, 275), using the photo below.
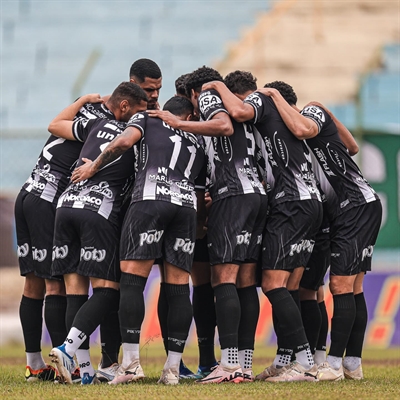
(83, 172)
(211, 85)
(93, 98)
(166, 116)
(268, 91)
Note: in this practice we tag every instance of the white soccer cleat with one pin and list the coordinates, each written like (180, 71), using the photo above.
(64, 363)
(327, 373)
(107, 374)
(221, 374)
(356, 375)
(133, 373)
(169, 377)
(295, 372)
(268, 372)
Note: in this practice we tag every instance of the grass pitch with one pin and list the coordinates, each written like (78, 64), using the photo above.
(381, 371)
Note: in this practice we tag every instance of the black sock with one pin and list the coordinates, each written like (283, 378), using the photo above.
(74, 303)
(206, 321)
(323, 331)
(250, 310)
(289, 318)
(162, 312)
(92, 313)
(356, 339)
(311, 316)
(131, 306)
(180, 315)
(296, 297)
(227, 306)
(110, 335)
(30, 314)
(344, 313)
(55, 307)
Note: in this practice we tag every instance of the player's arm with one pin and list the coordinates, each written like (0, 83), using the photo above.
(301, 126)
(61, 125)
(238, 110)
(345, 135)
(219, 125)
(115, 149)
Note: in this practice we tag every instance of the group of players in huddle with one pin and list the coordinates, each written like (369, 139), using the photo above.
(231, 186)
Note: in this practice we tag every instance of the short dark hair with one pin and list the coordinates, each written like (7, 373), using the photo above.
(240, 82)
(201, 76)
(128, 91)
(285, 90)
(144, 68)
(180, 85)
(179, 105)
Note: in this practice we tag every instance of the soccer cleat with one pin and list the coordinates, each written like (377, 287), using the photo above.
(357, 374)
(295, 372)
(328, 373)
(76, 375)
(220, 374)
(64, 363)
(89, 380)
(185, 372)
(268, 372)
(169, 377)
(107, 374)
(127, 375)
(248, 376)
(202, 371)
(48, 373)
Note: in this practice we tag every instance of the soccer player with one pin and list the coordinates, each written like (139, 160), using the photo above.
(294, 218)
(354, 226)
(35, 209)
(232, 240)
(160, 222)
(87, 225)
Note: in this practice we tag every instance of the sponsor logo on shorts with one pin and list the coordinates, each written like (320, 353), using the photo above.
(150, 237)
(304, 245)
(184, 244)
(335, 255)
(23, 250)
(367, 252)
(59, 252)
(90, 253)
(344, 203)
(243, 238)
(39, 254)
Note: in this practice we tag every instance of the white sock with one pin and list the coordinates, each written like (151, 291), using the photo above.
(85, 365)
(73, 341)
(173, 361)
(351, 363)
(230, 357)
(130, 354)
(305, 358)
(334, 362)
(281, 360)
(246, 359)
(35, 360)
(319, 356)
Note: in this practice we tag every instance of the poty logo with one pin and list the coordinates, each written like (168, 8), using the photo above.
(59, 252)
(39, 255)
(150, 237)
(367, 252)
(304, 245)
(243, 238)
(93, 254)
(184, 244)
(23, 250)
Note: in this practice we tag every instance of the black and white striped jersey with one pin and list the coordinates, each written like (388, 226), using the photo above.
(57, 159)
(105, 191)
(232, 165)
(289, 172)
(348, 186)
(170, 163)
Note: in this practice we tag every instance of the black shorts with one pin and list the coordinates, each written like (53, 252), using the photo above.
(153, 229)
(318, 264)
(353, 236)
(85, 243)
(231, 224)
(290, 234)
(201, 250)
(34, 222)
